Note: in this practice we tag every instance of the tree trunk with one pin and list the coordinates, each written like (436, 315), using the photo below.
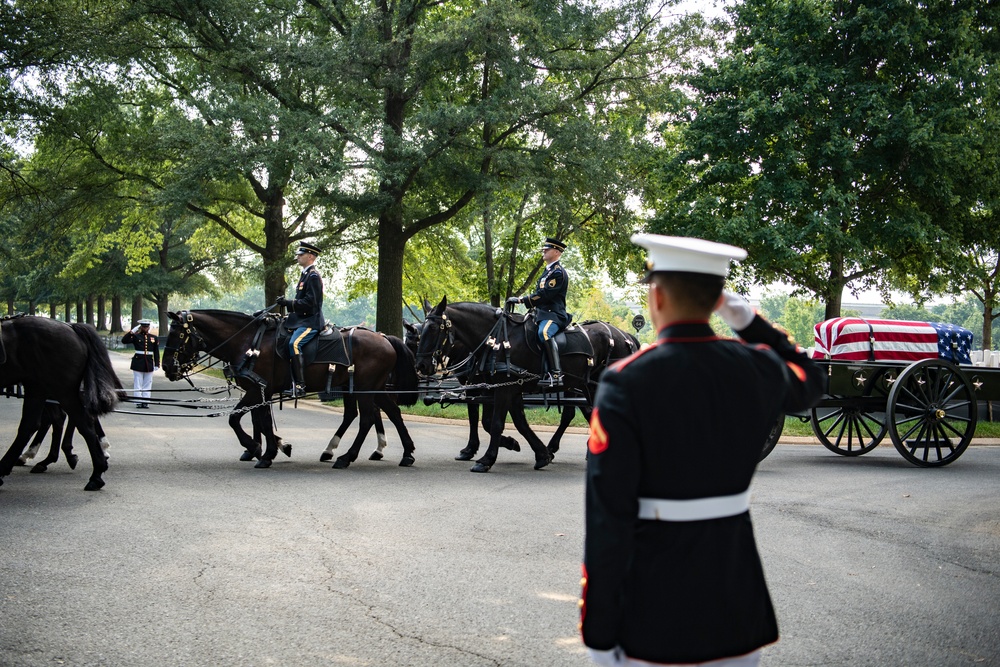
(102, 313)
(275, 256)
(10, 306)
(391, 244)
(53, 311)
(492, 288)
(79, 312)
(116, 314)
(136, 310)
(31, 307)
(835, 283)
(68, 307)
(90, 309)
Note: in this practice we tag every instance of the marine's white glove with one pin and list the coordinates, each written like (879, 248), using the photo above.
(735, 311)
(610, 658)
(135, 329)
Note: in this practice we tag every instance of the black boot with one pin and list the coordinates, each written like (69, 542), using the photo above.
(555, 377)
(298, 388)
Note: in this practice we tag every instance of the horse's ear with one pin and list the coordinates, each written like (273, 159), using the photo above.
(444, 304)
(427, 306)
(173, 316)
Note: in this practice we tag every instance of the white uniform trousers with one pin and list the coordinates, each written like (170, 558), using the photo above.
(142, 383)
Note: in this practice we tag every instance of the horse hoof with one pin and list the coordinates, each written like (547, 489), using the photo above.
(341, 463)
(286, 450)
(465, 456)
(541, 463)
(94, 485)
(247, 456)
(20, 462)
(325, 456)
(406, 462)
(38, 467)
(263, 463)
(376, 456)
(72, 459)
(510, 443)
(479, 467)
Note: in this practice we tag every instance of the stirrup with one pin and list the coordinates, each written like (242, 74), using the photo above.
(295, 391)
(553, 379)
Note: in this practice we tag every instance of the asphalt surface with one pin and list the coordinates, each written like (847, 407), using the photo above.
(190, 557)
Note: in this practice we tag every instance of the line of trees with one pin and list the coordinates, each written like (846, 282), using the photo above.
(160, 148)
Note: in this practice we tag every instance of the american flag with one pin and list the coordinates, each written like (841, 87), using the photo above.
(857, 339)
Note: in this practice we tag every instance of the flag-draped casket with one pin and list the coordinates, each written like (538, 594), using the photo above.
(858, 339)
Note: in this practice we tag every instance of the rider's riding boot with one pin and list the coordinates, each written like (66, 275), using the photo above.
(555, 377)
(298, 388)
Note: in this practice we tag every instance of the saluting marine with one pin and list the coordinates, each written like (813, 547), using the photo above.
(305, 318)
(145, 360)
(549, 302)
(671, 569)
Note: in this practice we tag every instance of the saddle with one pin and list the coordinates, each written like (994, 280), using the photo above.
(328, 347)
(571, 341)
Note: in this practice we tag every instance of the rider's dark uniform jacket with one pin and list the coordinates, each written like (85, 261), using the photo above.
(549, 300)
(147, 351)
(684, 419)
(307, 306)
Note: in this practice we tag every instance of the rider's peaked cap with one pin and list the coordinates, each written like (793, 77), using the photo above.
(307, 247)
(145, 323)
(690, 255)
(552, 242)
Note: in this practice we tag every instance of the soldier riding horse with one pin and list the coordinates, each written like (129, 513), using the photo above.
(507, 359)
(250, 346)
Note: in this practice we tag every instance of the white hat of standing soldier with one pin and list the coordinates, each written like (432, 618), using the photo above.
(682, 253)
(145, 323)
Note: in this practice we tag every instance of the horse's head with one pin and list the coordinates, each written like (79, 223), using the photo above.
(433, 337)
(180, 353)
(411, 336)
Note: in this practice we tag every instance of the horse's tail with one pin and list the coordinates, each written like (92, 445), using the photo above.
(405, 371)
(100, 383)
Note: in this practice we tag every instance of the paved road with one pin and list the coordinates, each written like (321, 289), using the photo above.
(190, 557)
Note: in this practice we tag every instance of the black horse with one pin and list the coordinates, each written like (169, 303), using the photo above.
(53, 360)
(471, 325)
(230, 336)
(452, 349)
(610, 344)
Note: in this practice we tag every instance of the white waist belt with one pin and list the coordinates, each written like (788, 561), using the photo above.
(698, 509)
(142, 352)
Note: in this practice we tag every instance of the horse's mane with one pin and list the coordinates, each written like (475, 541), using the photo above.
(223, 314)
(477, 307)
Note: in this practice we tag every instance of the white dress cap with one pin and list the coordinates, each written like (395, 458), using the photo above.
(682, 253)
(145, 322)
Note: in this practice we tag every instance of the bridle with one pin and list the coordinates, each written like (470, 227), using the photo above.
(186, 333)
(443, 340)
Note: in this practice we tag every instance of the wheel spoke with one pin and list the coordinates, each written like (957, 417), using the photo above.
(867, 427)
(840, 418)
(919, 424)
(954, 430)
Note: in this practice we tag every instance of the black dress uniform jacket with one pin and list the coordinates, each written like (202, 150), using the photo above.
(307, 306)
(145, 343)
(684, 419)
(549, 300)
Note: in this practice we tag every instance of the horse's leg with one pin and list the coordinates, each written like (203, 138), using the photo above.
(568, 412)
(85, 425)
(350, 414)
(395, 416)
(67, 442)
(498, 416)
(473, 446)
(263, 416)
(380, 436)
(31, 412)
(102, 437)
(543, 456)
(53, 416)
(36, 442)
(366, 408)
(251, 446)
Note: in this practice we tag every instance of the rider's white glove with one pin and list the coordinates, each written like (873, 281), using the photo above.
(735, 311)
(611, 658)
(135, 329)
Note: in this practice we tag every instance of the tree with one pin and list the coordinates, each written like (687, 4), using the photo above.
(829, 138)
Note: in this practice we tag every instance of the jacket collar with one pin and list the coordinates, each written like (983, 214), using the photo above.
(687, 330)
